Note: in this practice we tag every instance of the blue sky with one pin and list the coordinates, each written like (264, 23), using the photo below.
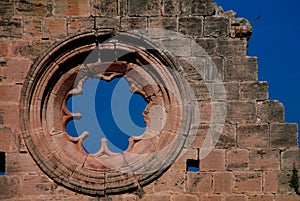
(275, 41)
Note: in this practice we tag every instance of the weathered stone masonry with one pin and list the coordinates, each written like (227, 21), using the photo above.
(254, 157)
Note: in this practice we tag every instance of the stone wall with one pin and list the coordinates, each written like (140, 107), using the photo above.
(254, 157)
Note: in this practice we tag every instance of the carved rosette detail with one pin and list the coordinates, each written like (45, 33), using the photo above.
(60, 73)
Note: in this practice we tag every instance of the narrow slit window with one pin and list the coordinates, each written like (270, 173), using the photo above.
(192, 165)
(2, 163)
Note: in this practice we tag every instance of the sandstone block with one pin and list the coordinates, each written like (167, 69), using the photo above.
(223, 182)
(270, 181)
(240, 69)
(208, 44)
(54, 28)
(163, 22)
(34, 8)
(238, 159)
(18, 164)
(4, 48)
(228, 47)
(253, 136)
(241, 112)
(248, 182)
(144, 8)
(264, 159)
(290, 158)
(171, 7)
(215, 26)
(7, 143)
(33, 28)
(124, 197)
(70, 8)
(270, 111)
(199, 182)
(130, 23)
(79, 25)
(202, 7)
(283, 178)
(156, 197)
(37, 185)
(11, 28)
(185, 197)
(261, 198)
(10, 93)
(30, 50)
(15, 70)
(171, 181)
(287, 197)
(227, 138)
(211, 198)
(236, 198)
(7, 9)
(188, 7)
(254, 91)
(9, 186)
(104, 8)
(283, 135)
(191, 26)
(214, 161)
(178, 46)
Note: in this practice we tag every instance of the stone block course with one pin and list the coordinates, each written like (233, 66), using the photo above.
(70, 8)
(287, 198)
(283, 135)
(39, 9)
(216, 26)
(33, 28)
(10, 187)
(223, 182)
(253, 136)
(264, 159)
(236, 198)
(163, 22)
(79, 25)
(228, 47)
(241, 69)
(248, 182)
(15, 70)
(270, 181)
(7, 142)
(192, 26)
(144, 8)
(238, 159)
(186, 197)
(214, 161)
(11, 27)
(289, 159)
(254, 91)
(261, 198)
(54, 28)
(7, 9)
(171, 181)
(104, 7)
(241, 112)
(130, 23)
(270, 111)
(199, 183)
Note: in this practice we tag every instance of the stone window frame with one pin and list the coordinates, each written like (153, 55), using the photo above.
(43, 116)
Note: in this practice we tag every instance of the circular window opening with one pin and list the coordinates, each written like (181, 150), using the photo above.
(109, 110)
(58, 77)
